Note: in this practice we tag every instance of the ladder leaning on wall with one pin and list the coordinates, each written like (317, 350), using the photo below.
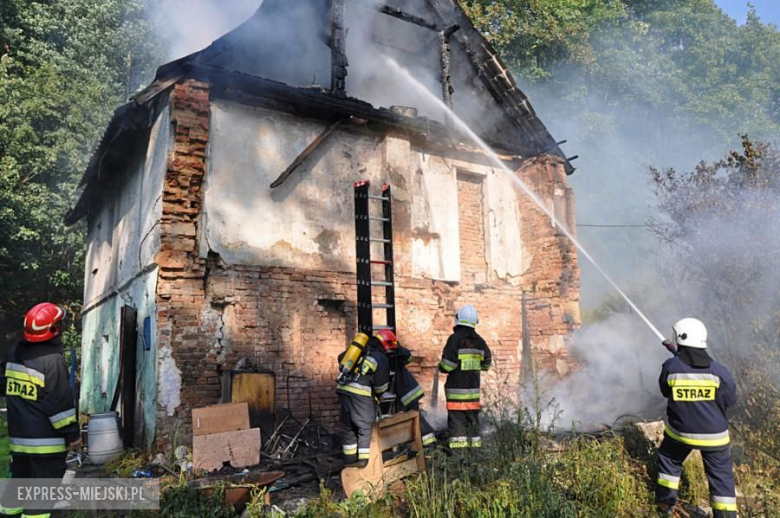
(368, 268)
(398, 433)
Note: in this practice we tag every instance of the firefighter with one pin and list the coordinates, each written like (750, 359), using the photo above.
(699, 392)
(408, 390)
(42, 424)
(464, 358)
(357, 395)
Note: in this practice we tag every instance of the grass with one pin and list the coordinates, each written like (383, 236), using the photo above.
(516, 474)
(513, 475)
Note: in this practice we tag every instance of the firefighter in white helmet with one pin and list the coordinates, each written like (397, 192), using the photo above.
(464, 358)
(699, 392)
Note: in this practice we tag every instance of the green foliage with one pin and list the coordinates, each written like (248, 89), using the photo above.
(602, 479)
(630, 83)
(358, 506)
(182, 501)
(64, 66)
(685, 57)
(693, 482)
(534, 36)
(610, 305)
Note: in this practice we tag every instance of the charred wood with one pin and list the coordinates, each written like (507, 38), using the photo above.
(339, 61)
(305, 153)
(446, 64)
(399, 14)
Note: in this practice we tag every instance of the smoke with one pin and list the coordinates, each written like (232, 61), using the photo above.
(187, 26)
(721, 266)
(720, 262)
(621, 359)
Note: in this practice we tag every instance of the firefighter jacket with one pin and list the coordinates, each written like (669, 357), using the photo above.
(698, 399)
(41, 415)
(464, 358)
(409, 391)
(371, 377)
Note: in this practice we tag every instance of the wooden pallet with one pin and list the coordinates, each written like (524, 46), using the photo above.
(399, 429)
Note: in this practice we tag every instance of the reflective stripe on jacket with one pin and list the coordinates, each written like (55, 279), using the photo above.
(409, 391)
(41, 417)
(464, 358)
(373, 377)
(698, 399)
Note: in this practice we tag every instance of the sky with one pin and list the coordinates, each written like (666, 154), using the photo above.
(768, 10)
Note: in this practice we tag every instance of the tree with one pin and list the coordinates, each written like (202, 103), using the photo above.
(630, 83)
(536, 36)
(64, 67)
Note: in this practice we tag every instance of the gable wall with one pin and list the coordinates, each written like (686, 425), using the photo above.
(247, 272)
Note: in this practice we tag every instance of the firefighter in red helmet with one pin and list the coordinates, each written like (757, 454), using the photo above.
(42, 424)
(409, 391)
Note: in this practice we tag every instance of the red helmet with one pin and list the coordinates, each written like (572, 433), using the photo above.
(387, 338)
(43, 322)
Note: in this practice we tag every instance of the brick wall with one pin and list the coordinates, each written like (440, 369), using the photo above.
(180, 293)
(295, 322)
(471, 226)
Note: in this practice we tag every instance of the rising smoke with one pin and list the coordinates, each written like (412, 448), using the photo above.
(187, 26)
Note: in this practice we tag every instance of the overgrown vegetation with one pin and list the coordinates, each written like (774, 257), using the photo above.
(581, 476)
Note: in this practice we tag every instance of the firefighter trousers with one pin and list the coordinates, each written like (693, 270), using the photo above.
(34, 466)
(717, 466)
(358, 414)
(426, 430)
(463, 427)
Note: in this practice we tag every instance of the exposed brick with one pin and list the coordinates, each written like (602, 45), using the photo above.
(270, 315)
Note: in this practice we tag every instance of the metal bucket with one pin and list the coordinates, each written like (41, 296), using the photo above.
(103, 441)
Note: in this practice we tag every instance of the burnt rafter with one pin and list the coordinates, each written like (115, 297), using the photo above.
(398, 13)
(445, 52)
(338, 55)
(311, 148)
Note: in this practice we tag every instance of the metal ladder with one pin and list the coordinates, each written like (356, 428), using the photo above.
(366, 282)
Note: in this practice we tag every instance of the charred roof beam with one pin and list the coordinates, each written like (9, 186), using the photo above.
(311, 148)
(445, 52)
(394, 12)
(338, 53)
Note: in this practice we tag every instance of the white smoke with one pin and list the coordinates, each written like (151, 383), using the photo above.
(187, 26)
(621, 360)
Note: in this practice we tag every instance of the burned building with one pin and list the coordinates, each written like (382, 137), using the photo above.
(221, 225)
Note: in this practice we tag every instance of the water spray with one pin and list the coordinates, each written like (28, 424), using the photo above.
(402, 72)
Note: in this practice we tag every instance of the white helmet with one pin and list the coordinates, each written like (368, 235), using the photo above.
(690, 332)
(467, 316)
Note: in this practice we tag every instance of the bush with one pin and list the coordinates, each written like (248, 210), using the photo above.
(473, 485)
(602, 479)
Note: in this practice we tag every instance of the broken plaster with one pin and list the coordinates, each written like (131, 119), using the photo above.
(168, 381)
